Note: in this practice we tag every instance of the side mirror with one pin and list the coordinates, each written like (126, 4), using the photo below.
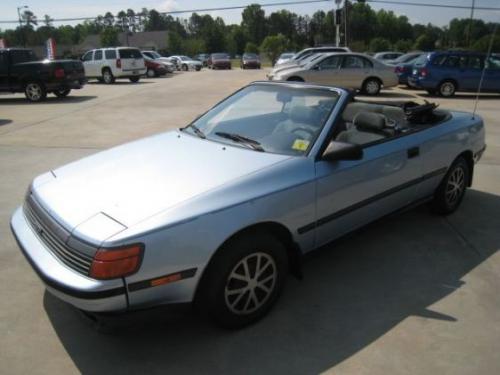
(316, 67)
(342, 151)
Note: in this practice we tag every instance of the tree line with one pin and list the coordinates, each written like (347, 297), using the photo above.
(279, 31)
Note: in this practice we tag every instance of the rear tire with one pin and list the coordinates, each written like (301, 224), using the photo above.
(185, 68)
(134, 79)
(447, 89)
(371, 86)
(451, 190)
(107, 76)
(62, 93)
(35, 92)
(243, 280)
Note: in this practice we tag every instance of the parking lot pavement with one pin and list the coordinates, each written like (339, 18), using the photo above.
(414, 293)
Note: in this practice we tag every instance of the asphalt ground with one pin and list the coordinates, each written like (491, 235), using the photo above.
(411, 294)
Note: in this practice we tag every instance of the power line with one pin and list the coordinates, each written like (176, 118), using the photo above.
(387, 2)
(418, 4)
(197, 10)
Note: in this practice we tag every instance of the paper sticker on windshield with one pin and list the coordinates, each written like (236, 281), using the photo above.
(300, 145)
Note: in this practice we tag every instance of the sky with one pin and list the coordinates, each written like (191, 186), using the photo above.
(90, 8)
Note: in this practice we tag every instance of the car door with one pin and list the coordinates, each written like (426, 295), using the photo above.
(353, 71)
(97, 62)
(491, 81)
(4, 70)
(325, 71)
(87, 63)
(353, 193)
(470, 69)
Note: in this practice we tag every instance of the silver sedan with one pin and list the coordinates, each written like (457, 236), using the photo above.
(350, 70)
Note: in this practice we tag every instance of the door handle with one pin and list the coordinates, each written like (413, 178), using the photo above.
(413, 152)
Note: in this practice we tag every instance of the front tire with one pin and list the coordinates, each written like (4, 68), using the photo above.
(244, 280)
(62, 93)
(185, 68)
(151, 73)
(451, 190)
(35, 92)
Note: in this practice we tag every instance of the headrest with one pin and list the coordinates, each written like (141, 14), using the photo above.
(369, 121)
(301, 114)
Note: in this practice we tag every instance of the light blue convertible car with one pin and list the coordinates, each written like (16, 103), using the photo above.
(217, 213)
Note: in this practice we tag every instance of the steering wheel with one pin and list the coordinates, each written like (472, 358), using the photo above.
(304, 129)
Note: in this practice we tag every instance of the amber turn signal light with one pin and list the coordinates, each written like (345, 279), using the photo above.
(112, 263)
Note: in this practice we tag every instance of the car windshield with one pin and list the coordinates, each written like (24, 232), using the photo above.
(220, 56)
(421, 60)
(130, 53)
(250, 56)
(276, 118)
(287, 55)
(310, 59)
(406, 58)
(155, 55)
(184, 58)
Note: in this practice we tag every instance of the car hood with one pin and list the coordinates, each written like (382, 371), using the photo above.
(287, 70)
(135, 181)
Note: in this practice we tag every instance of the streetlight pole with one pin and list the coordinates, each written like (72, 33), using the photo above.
(21, 23)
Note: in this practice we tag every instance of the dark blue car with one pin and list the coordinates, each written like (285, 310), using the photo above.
(445, 73)
(404, 65)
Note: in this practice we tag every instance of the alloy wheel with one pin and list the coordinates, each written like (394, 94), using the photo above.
(250, 283)
(455, 186)
(372, 87)
(447, 89)
(34, 92)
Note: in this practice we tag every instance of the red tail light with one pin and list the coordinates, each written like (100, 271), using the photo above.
(59, 73)
(423, 72)
(117, 262)
(118, 63)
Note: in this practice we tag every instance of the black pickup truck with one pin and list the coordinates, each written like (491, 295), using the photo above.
(21, 71)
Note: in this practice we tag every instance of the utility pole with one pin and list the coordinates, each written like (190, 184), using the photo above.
(469, 30)
(337, 22)
(346, 3)
(21, 23)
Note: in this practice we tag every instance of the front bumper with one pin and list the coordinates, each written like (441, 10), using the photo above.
(78, 290)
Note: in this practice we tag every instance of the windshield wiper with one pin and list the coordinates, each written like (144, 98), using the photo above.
(241, 139)
(196, 130)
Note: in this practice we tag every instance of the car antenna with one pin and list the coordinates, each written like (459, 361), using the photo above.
(488, 54)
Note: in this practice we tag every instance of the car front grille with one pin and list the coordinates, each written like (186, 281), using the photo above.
(68, 256)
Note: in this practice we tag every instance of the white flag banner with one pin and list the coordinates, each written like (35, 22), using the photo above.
(50, 45)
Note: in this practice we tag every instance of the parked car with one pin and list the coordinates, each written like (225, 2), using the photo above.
(219, 61)
(404, 66)
(406, 58)
(203, 57)
(186, 63)
(109, 64)
(445, 73)
(308, 52)
(154, 68)
(284, 57)
(159, 58)
(352, 70)
(387, 56)
(286, 168)
(22, 71)
(250, 61)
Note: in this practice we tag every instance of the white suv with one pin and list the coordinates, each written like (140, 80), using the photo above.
(107, 64)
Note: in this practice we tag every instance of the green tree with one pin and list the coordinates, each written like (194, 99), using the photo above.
(273, 46)
(379, 44)
(254, 23)
(403, 45)
(426, 42)
(251, 48)
(483, 44)
(109, 37)
(175, 43)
